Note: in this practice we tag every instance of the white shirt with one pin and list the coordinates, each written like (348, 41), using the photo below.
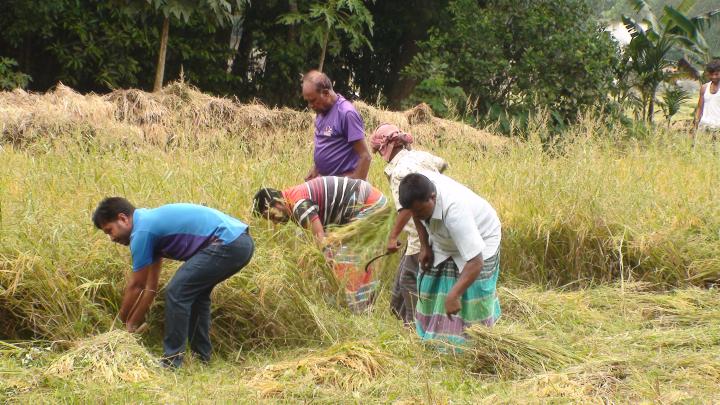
(404, 163)
(711, 108)
(463, 225)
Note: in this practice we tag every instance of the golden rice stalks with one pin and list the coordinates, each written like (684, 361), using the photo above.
(582, 384)
(363, 232)
(111, 357)
(420, 114)
(510, 352)
(346, 366)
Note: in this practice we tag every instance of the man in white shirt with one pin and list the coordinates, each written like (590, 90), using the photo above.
(393, 145)
(707, 114)
(460, 236)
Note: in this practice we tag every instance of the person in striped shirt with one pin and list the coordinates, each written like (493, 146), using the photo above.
(324, 201)
(317, 203)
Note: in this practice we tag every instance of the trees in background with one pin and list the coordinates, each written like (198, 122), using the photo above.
(483, 60)
(513, 57)
(324, 21)
(213, 13)
(647, 57)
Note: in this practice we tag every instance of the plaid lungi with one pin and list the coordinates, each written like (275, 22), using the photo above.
(479, 303)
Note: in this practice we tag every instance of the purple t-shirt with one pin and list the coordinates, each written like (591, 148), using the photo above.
(335, 132)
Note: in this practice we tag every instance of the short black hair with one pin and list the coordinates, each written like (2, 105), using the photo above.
(415, 187)
(264, 199)
(713, 66)
(109, 209)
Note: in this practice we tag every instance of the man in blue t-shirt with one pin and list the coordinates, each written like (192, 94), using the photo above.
(213, 245)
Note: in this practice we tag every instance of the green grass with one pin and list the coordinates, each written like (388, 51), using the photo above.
(606, 241)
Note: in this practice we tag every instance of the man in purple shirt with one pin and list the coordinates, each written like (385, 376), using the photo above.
(340, 148)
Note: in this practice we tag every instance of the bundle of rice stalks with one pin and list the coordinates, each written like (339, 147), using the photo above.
(586, 383)
(420, 114)
(510, 352)
(367, 232)
(27, 117)
(137, 107)
(346, 366)
(365, 239)
(112, 357)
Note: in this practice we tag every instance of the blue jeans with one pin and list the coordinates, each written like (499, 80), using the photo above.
(187, 296)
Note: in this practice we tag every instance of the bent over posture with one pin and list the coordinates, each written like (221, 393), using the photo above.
(459, 256)
(213, 245)
(393, 145)
(325, 201)
(320, 202)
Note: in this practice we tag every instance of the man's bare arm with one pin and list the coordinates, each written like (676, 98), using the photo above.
(364, 159)
(149, 291)
(700, 106)
(403, 217)
(469, 274)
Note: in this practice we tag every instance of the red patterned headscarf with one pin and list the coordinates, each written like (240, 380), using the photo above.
(386, 137)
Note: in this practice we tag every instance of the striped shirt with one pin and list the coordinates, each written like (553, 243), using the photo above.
(331, 200)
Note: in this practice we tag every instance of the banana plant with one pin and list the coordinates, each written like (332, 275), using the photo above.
(653, 38)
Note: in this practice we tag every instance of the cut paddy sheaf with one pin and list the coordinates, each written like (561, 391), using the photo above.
(108, 358)
(347, 366)
(607, 246)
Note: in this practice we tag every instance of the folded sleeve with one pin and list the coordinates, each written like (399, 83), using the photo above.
(305, 211)
(438, 163)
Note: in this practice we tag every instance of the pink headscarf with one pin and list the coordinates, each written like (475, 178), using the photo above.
(386, 137)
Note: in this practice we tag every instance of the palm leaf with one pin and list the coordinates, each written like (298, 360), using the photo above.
(681, 21)
(705, 21)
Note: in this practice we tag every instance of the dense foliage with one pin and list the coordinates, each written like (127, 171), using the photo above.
(487, 59)
(514, 57)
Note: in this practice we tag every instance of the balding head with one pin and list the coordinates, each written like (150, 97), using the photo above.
(317, 91)
(317, 79)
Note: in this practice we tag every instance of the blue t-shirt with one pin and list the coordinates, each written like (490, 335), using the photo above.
(178, 231)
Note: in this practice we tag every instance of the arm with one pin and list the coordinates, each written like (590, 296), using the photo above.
(440, 164)
(363, 167)
(467, 277)
(403, 217)
(426, 253)
(699, 109)
(312, 173)
(135, 303)
(317, 230)
(469, 242)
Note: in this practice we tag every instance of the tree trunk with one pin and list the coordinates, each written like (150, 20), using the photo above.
(235, 37)
(324, 49)
(651, 106)
(160, 71)
(292, 30)
(401, 88)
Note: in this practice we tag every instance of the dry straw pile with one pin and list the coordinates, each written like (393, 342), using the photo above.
(109, 358)
(347, 366)
(180, 115)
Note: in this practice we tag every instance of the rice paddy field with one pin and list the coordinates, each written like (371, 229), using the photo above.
(610, 259)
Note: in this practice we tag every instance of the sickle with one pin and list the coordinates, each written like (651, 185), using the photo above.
(367, 266)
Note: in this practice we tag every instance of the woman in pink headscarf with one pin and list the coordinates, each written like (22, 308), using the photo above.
(393, 145)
